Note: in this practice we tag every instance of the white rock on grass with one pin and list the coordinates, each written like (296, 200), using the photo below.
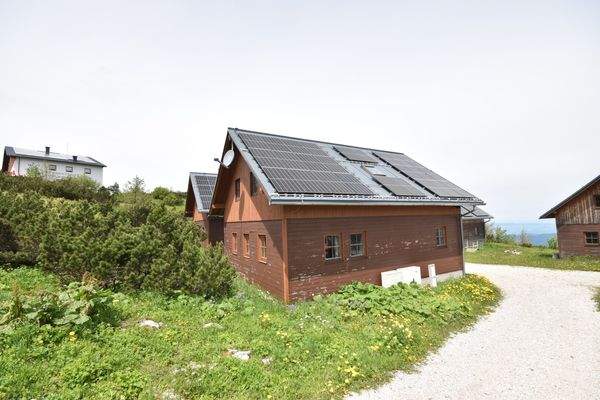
(170, 394)
(148, 323)
(213, 325)
(267, 360)
(243, 355)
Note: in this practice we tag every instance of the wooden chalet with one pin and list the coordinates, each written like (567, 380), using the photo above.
(578, 221)
(473, 225)
(197, 205)
(303, 217)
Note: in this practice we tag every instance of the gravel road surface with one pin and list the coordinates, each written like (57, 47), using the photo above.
(542, 342)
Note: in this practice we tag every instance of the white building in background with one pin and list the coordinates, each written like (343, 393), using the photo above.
(52, 166)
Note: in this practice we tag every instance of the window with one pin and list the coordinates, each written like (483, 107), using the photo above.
(440, 237)
(253, 185)
(597, 201)
(246, 245)
(357, 247)
(69, 168)
(262, 248)
(52, 167)
(234, 243)
(332, 247)
(237, 189)
(87, 171)
(592, 239)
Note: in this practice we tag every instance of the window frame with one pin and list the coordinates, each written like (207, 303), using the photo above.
(444, 236)
(246, 245)
(260, 248)
(595, 238)
(596, 201)
(339, 246)
(234, 244)
(68, 168)
(52, 167)
(87, 171)
(362, 244)
(253, 185)
(237, 189)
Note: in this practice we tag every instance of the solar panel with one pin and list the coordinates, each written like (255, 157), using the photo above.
(205, 185)
(295, 166)
(400, 187)
(425, 177)
(356, 154)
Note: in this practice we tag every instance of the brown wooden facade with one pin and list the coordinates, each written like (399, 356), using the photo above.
(295, 267)
(578, 222)
(473, 232)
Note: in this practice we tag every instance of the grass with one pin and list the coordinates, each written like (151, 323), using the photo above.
(318, 349)
(597, 298)
(496, 253)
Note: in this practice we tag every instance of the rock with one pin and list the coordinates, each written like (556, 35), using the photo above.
(148, 323)
(243, 355)
(267, 360)
(170, 394)
(212, 325)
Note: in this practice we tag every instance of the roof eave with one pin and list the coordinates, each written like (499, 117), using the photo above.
(311, 200)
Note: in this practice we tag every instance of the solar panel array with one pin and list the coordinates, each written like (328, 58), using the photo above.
(425, 177)
(400, 187)
(295, 166)
(205, 185)
(356, 154)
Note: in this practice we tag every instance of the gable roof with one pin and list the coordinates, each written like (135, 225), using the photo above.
(51, 156)
(472, 212)
(552, 212)
(203, 185)
(301, 171)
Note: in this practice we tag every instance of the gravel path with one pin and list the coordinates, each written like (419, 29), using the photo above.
(542, 342)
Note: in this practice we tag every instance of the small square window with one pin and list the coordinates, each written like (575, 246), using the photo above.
(87, 171)
(253, 184)
(246, 245)
(357, 247)
(262, 247)
(52, 167)
(597, 200)
(332, 247)
(237, 189)
(592, 238)
(234, 242)
(440, 236)
(69, 168)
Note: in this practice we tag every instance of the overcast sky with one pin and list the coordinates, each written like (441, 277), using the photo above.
(503, 98)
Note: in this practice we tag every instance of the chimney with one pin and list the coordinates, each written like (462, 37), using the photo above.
(47, 150)
(75, 158)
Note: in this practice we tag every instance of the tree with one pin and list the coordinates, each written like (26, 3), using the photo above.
(34, 172)
(524, 238)
(135, 189)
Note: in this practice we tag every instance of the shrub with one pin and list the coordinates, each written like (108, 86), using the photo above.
(76, 188)
(126, 247)
(553, 243)
(496, 234)
(79, 305)
(8, 240)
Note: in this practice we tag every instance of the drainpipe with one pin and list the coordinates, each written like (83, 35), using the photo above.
(462, 246)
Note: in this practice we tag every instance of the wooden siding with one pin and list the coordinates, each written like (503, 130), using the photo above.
(571, 240)
(473, 232)
(267, 275)
(580, 210)
(247, 207)
(390, 242)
